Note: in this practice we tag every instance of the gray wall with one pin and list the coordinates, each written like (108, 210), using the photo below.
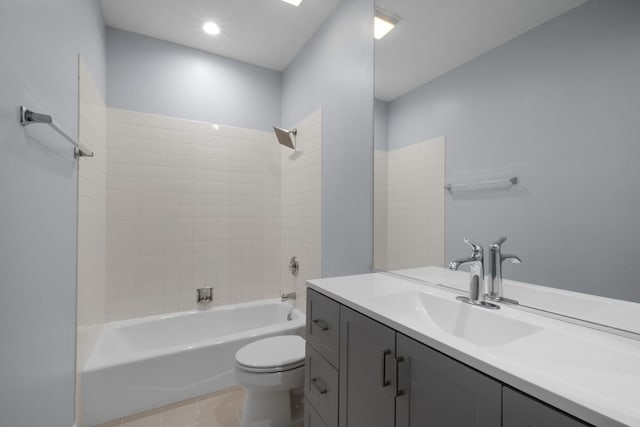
(39, 45)
(334, 71)
(560, 108)
(154, 76)
(381, 125)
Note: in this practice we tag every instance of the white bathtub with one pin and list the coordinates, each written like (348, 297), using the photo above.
(145, 363)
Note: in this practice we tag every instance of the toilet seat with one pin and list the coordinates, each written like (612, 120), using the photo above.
(275, 354)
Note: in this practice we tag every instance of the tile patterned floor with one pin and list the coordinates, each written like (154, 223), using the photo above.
(220, 409)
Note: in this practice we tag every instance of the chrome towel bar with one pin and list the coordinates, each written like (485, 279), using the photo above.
(508, 182)
(28, 117)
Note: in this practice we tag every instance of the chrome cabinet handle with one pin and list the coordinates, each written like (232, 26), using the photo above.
(321, 387)
(385, 381)
(321, 324)
(398, 361)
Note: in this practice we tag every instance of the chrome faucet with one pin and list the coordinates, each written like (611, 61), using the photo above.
(476, 279)
(476, 257)
(289, 296)
(496, 258)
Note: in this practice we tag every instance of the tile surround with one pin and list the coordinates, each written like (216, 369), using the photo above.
(302, 207)
(193, 204)
(410, 206)
(380, 204)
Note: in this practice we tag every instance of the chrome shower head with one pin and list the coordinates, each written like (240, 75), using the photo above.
(286, 137)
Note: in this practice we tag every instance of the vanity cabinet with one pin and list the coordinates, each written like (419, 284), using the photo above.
(382, 378)
(520, 410)
(321, 386)
(323, 325)
(311, 417)
(388, 379)
(321, 380)
(367, 382)
(435, 390)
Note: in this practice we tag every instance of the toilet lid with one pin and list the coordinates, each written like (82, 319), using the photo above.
(279, 353)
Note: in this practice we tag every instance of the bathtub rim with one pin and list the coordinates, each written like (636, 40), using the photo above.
(96, 361)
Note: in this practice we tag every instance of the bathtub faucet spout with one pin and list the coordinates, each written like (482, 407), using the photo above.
(289, 296)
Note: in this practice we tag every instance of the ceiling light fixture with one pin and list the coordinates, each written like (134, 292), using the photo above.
(211, 28)
(383, 22)
(293, 2)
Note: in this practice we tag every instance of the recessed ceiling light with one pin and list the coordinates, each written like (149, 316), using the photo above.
(211, 28)
(383, 22)
(293, 2)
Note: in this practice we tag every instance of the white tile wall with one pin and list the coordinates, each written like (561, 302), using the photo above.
(380, 208)
(302, 206)
(191, 204)
(91, 286)
(415, 206)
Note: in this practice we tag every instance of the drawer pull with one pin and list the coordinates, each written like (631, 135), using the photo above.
(321, 324)
(398, 391)
(385, 381)
(319, 385)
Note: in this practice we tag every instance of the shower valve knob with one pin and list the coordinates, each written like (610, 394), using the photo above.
(294, 266)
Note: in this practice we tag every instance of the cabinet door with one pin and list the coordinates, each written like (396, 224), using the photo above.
(366, 371)
(520, 410)
(438, 391)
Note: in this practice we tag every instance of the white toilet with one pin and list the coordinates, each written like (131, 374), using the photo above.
(271, 371)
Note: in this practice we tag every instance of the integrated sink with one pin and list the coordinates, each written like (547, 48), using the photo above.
(476, 325)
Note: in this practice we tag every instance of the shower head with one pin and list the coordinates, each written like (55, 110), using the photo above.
(286, 137)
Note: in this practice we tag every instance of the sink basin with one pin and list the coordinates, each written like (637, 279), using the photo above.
(480, 326)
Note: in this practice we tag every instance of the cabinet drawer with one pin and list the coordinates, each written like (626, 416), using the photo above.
(520, 410)
(321, 386)
(323, 325)
(311, 417)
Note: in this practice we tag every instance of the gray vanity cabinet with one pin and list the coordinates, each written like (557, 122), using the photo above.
(321, 383)
(520, 410)
(438, 391)
(321, 386)
(432, 389)
(311, 417)
(323, 325)
(361, 373)
(367, 354)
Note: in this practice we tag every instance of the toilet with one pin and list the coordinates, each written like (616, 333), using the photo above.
(271, 371)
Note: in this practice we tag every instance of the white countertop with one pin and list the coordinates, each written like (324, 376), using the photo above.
(590, 374)
(619, 314)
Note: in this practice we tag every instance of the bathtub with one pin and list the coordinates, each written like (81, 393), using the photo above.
(146, 363)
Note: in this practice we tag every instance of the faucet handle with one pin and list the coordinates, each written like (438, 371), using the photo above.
(512, 258)
(497, 246)
(498, 243)
(477, 250)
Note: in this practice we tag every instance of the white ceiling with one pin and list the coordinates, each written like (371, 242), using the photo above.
(432, 38)
(268, 33)
(436, 36)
